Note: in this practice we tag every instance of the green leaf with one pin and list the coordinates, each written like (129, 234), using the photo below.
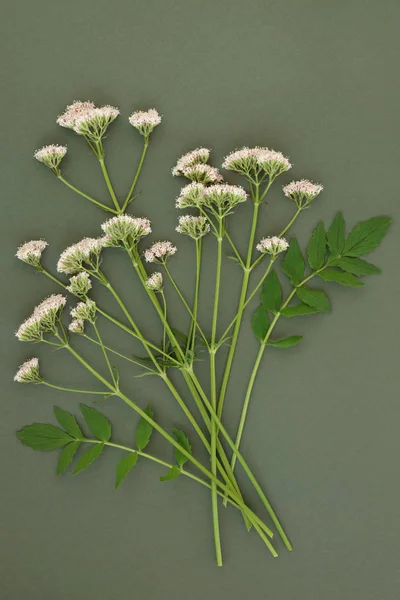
(293, 264)
(286, 342)
(271, 295)
(66, 456)
(336, 235)
(173, 473)
(260, 323)
(356, 266)
(144, 430)
(68, 422)
(366, 236)
(340, 277)
(298, 309)
(97, 423)
(124, 467)
(316, 248)
(87, 458)
(315, 298)
(183, 441)
(43, 436)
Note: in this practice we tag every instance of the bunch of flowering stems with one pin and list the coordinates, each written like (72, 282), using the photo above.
(332, 256)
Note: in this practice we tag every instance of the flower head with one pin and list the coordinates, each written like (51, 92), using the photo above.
(194, 227)
(191, 195)
(42, 320)
(302, 191)
(244, 160)
(202, 173)
(77, 326)
(51, 155)
(200, 155)
(87, 250)
(159, 252)
(80, 284)
(273, 163)
(126, 230)
(73, 112)
(272, 245)
(145, 120)
(31, 252)
(223, 197)
(29, 372)
(155, 282)
(86, 311)
(94, 122)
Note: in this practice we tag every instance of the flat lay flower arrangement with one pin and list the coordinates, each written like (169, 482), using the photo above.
(331, 255)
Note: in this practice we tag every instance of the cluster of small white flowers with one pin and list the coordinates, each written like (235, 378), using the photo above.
(272, 245)
(273, 163)
(145, 120)
(73, 112)
(302, 191)
(72, 258)
(29, 372)
(155, 282)
(94, 123)
(202, 173)
(80, 284)
(77, 326)
(191, 195)
(31, 252)
(194, 227)
(126, 228)
(159, 252)
(200, 155)
(84, 311)
(224, 197)
(244, 160)
(42, 319)
(51, 155)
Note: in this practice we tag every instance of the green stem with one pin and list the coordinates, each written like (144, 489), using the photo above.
(65, 389)
(135, 362)
(99, 204)
(194, 323)
(106, 176)
(164, 346)
(110, 369)
(135, 179)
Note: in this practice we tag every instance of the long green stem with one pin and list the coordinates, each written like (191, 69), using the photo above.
(135, 362)
(107, 360)
(65, 389)
(100, 155)
(194, 324)
(99, 204)
(135, 179)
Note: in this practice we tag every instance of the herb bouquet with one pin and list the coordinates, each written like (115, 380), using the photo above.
(331, 254)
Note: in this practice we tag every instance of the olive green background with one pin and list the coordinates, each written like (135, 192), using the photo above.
(317, 80)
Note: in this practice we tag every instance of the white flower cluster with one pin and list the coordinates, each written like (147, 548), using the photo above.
(31, 252)
(51, 155)
(125, 229)
(253, 160)
(145, 120)
(87, 250)
(195, 157)
(159, 252)
(88, 120)
(155, 282)
(80, 284)
(42, 320)
(194, 227)
(77, 326)
(84, 311)
(222, 198)
(272, 245)
(191, 195)
(29, 372)
(302, 191)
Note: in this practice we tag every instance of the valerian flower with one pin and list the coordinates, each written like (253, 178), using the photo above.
(245, 160)
(125, 229)
(29, 372)
(87, 251)
(272, 245)
(202, 173)
(273, 163)
(159, 252)
(194, 227)
(94, 123)
(191, 195)
(42, 320)
(222, 198)
(80, 284)
(145, 120)
(73, 112)
(198, 156)
(155, 282)
(31, 252)
(302, 191)
(51, 156)
(77, 326)
(86, 311)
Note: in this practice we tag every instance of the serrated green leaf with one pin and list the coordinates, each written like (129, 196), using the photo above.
(183, 441)
(173, 473)
(292, 340)
(315, 298)
(298, 309)
(366, 236)
(260, 323)
(86, 459)
(316, 249)
(124, 467)
(340, 277)
(144, 430)
(336, 235)
(68, 422)
(43, 436)
(293, 263)
(356, 266)
(97, 422)
(66, 456)
(271, 295)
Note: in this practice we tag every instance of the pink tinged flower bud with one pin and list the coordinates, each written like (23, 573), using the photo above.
(29, 372)
(160, 252)
(31, 252)
(51, 155)
(73, 112)
(191, 196)
(145, 121)
(272, 245)
(155, 282)
(198, 156)
(273, 163)
(194, 227)
(302, 191)
(125, 229)
(77, 326)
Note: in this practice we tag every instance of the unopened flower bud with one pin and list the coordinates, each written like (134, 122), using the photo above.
(155, 282)
(77, 326)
